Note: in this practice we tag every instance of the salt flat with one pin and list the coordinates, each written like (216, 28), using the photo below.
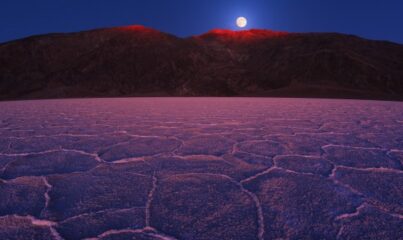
(201, 168)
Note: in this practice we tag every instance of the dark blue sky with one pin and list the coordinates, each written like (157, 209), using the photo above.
(374, 19)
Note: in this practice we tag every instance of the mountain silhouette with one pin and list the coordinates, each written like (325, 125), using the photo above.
(139, 61)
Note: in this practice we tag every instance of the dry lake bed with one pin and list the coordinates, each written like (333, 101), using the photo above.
(201, 168)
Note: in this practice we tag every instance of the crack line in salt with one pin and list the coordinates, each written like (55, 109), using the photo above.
(255, 199)
(101, 211)
(353, 214)
(47, 197)
(42, 223)
(149, 201)
(380, 169)
(353, 147)
(258, 175)
(147, 230)
(332, 176)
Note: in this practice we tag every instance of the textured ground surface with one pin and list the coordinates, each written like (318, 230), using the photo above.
(201, 169)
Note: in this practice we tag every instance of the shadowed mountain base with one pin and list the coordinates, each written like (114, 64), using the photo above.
(138, 61)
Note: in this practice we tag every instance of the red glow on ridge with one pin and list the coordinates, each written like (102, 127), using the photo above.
(224, 35)
(145, 32)
(138, 28)
(244, 35)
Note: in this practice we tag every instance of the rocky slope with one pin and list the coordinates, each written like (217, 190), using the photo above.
(138, 61)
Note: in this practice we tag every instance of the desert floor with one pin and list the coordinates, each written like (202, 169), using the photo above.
(201, 168)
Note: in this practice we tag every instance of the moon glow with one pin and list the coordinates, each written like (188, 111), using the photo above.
(241, 22)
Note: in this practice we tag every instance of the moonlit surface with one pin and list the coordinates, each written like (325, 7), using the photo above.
(241, 22)
(155, 168)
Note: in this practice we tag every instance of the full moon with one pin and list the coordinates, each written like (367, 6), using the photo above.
(241, 22)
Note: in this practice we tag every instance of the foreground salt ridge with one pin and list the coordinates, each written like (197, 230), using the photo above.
(208, 144)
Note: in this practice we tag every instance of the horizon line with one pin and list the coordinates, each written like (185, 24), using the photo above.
(194, 35)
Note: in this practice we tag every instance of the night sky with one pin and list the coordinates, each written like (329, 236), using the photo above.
(374, 19)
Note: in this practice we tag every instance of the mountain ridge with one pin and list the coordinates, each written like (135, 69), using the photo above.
(140, 61)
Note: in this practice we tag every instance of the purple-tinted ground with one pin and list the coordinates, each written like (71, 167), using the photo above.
(202, 168)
